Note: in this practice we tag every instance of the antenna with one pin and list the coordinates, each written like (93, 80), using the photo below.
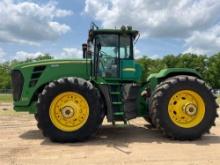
(137, 38)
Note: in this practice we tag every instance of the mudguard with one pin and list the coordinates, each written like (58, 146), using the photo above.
(156, 78)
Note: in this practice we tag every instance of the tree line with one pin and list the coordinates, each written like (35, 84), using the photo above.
(207, 66)
(5, 69)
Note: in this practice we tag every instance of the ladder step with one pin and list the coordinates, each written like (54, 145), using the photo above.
(117, 103)
(115, 93)
(119, 113)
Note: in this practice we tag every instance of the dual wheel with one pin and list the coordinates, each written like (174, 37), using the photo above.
(182, 107)
(69, 110)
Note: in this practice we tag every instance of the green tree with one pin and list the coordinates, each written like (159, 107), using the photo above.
(150, 66)
(213, 71)
(5, 79)
(170, 61)
(209, 67)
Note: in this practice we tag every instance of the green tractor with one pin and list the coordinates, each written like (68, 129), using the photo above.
(70, 98)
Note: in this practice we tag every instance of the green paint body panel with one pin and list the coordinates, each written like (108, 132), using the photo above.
(54, 69)
(32, 109)
(165, 72)
(156, 78)
(130, 70)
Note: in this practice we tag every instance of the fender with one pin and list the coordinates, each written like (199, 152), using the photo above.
(156, 78)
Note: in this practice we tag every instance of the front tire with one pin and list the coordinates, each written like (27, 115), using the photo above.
(36, 116)
(68, 110)
(183, 107)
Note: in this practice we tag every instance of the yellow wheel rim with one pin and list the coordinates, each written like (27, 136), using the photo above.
(186, 108)
(69, 111)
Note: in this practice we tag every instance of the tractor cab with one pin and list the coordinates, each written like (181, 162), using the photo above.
(112, 53)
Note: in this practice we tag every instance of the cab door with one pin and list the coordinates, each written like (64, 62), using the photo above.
(108, 56)
(127, 63)
(127, 69)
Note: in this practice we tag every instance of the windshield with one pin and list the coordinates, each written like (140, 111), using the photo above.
(114, 45)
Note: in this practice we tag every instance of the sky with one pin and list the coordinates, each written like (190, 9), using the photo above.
(29, 28)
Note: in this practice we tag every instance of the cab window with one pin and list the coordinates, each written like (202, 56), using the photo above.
(125, 47)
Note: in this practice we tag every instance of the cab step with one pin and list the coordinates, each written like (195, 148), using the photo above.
(115, 93)
(119, 113)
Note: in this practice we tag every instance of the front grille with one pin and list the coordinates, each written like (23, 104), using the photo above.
(17, 84)
(37, 71)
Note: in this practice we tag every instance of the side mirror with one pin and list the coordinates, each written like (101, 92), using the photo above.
(84, 49)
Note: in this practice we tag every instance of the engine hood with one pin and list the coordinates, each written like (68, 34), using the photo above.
(35, 75)
(49, 62)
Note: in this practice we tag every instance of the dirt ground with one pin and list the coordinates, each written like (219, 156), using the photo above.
(22, 143)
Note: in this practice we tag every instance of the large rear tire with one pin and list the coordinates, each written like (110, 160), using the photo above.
(183, 107)
(69, 110)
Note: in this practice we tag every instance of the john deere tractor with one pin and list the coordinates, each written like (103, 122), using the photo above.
(70, 98)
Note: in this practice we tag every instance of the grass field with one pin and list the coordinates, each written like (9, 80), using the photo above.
(5, 98)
